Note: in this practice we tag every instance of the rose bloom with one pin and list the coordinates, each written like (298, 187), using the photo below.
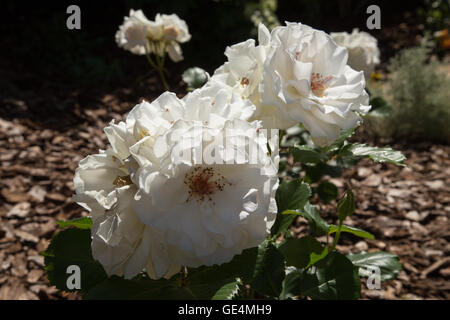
(120, 241)
(132, 34)
(174, 31)
(297, 74)
(230, 207)
(363, 52)
(142, 36)
(208, 210)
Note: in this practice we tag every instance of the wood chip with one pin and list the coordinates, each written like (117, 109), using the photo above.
(20, 210)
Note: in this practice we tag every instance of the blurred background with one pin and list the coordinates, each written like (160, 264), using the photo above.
(59, 87)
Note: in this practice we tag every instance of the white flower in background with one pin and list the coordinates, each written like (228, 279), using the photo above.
(363, 52)
(208, 213)
(120, 241)
(142, 36)
(132, 34)
(174, 31)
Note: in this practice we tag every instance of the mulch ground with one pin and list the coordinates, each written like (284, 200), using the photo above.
(42, 138)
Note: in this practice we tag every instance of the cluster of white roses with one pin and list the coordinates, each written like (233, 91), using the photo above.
(152, 209)
(297, 74)
(142, 36)
(363, 52)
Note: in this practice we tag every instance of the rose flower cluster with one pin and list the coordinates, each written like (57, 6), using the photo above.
(153, 210)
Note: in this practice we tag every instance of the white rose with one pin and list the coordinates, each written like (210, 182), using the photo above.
(132, 34)
(120, 241)
(296, 75)
(174, 31)
(211, 104)
(174, 28)
(208, 213)
(307, 77)
(363, 52)
(142, 36)
(243, 70)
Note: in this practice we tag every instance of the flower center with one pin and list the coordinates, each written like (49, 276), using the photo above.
(245, 82)
(203, 182)
(121, 181)
(319, 84)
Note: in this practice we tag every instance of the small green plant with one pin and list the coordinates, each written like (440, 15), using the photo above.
(419, 93)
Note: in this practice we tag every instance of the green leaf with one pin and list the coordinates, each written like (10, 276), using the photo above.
(228, 291)
(72, 247)
(307, 154)
(316, 223)
(333, 278)
(222, 281)
(327, 191)
(216, 282)
(337, 144)
(290, 195)
(346, 205)
(291, 284)
(302, 252)
(269, 270)
(315, 172)
(195, 78)
(386, 154)
(117, 288)
(80, 223)
(357, 232)
(387, 262)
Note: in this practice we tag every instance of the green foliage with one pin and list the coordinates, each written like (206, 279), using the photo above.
(346, 206)
(358, 151)
(195, 77)
(72, 247)
(290, 195)
(306, 154)
(327, 191)
(316, 223)
(387, 262)
(335, 278)
(355, 231)
(269, 270)
(419, 95)
(302, 252)
(81, 223)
